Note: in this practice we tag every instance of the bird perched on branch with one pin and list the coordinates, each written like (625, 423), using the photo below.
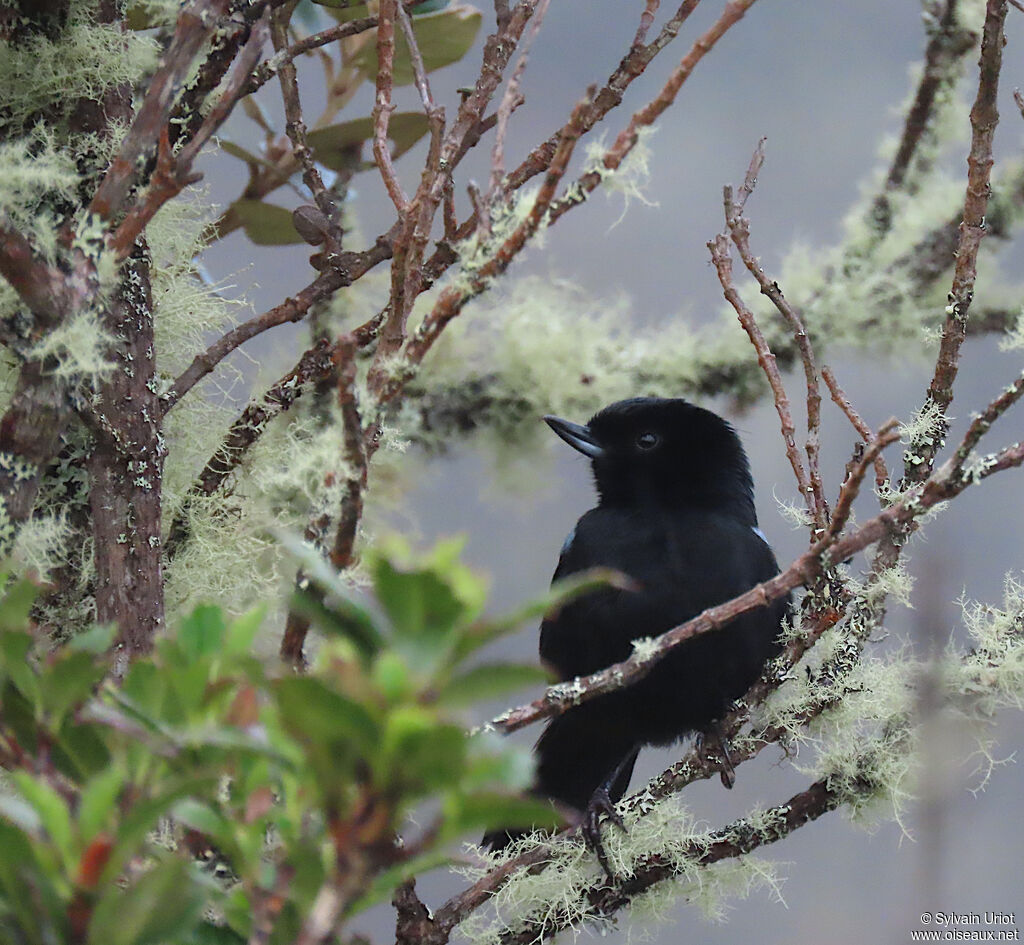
(675, 514)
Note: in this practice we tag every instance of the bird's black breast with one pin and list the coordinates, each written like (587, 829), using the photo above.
(683, 561)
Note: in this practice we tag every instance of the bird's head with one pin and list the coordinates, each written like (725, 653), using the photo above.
(653, 450)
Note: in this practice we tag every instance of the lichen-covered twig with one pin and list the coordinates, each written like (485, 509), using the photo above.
(195, 24)
(646, 116)
(948, 44)
(350, 267)
(984, 117)
(382, 106)
(315, 365)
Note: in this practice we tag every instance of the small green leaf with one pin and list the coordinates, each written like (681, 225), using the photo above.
(443, 38)
(95, 641)
(69, 682)
(241, 632)
(391, 676)
(417, 601)
(99, 798)
(341, 618)
(164, 905)
(142, 817)
(334, 145)
(486, 810)
(266, 224)
(201, 632)
(421, 752)
(312, 710)
(18, 598)
(236, 150)
(561, 593)
(208, 934)
(51, 807)
(490, 681)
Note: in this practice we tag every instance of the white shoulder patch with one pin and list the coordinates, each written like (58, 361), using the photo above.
(760, 534)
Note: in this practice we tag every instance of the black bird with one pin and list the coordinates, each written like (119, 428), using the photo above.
(676, 515)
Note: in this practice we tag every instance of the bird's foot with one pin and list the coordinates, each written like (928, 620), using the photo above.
(600, 803)
(714, 739)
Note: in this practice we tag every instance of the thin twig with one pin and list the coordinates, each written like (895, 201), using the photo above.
(739, 230)
(173, 172)
(510, 101)
(646, 22)
(295, 128)
(646, 116)
(984, 117)
(351, 267)
(194, 26)
(867, 434)
(383, 107)
(719, 247)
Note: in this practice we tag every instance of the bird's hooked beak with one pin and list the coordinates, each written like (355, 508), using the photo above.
(577, 436)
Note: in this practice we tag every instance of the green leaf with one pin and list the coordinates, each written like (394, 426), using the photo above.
(443, 38)
(18, 667)
(241, 632)
(490, 810)
(561, 593)
(69, 682)
(490, 681)
(142, 817)
(95, 641)
(208, 934)
(52, 809)
(80, 751)
(16, 605)
(266, 224)
(417, 601)
(202, 631)
(341, 618)
(335, 145)
(391, 676)
(37, 912)
(422, 753)
(313, 711)
(164, 905)
(99, 798)
(236, 150)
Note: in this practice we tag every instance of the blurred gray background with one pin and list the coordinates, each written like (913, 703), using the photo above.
(824, 81)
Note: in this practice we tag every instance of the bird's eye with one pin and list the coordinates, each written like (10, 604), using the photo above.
(647, 441)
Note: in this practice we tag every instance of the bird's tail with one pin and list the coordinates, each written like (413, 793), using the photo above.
(575, 754)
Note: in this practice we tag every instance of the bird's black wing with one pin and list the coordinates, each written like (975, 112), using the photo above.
(682, 563)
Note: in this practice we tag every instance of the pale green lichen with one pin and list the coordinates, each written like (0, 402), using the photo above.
(39, 75)
(77, 350)
(557, 896)
(631, 177)
(36, 174)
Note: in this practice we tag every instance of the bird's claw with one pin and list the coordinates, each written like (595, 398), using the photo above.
(600, 803)
(712, 737)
